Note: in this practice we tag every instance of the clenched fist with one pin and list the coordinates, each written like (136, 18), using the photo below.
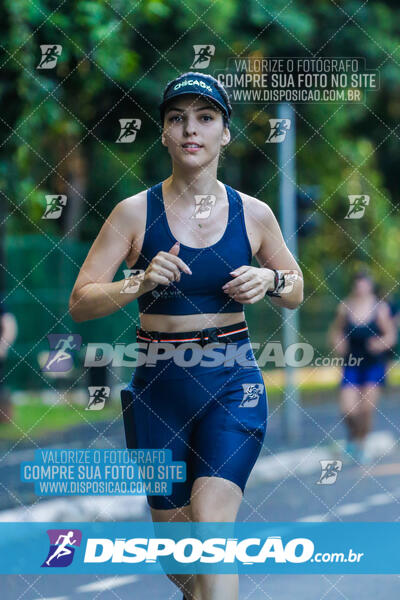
(164, 268)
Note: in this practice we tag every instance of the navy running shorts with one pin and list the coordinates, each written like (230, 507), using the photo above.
(213, 418)
(372, 373)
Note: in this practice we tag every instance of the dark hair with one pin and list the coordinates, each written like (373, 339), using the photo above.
(215, 83)
(362, 274)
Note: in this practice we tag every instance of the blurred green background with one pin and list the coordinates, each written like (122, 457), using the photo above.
(59, 130)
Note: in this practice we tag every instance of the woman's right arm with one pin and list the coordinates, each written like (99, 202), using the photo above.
(336, 337)
(95, 294)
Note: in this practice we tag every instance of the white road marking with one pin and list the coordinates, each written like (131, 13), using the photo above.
(305, 461)
(113, 508)
(83, 508)
(53, 598)
(353, 508)
(379, 499)
(109, 583)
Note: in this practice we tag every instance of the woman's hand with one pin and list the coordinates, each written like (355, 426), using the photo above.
(163, 269)
(250, 284)
(376, 345)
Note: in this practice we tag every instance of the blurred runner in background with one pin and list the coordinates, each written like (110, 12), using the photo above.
(363, 332)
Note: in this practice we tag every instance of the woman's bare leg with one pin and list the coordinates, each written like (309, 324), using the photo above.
(175, 515)
(350, 402)
(215, 499)
(370, 398)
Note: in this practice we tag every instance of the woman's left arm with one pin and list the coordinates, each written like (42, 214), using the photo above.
(250, 284)
(387, 325)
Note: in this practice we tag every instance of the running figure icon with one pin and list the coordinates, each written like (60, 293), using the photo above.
(62, 549)
(62, 347)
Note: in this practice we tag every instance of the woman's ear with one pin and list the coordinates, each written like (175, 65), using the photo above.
(226, 137)
(163, 139)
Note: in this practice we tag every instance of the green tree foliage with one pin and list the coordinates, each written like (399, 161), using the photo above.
(60, 126)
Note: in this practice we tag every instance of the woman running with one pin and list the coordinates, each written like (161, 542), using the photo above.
(191, 239)
(363, 332)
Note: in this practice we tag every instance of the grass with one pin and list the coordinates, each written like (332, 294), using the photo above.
(311, 379)
(35, 419)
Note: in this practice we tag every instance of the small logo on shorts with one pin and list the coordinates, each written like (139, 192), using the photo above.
(251, 394)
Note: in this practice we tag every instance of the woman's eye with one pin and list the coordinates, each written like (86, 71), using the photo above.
(207, 117)
(174, 117)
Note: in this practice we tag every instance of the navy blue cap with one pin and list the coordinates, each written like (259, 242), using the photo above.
(195, 83)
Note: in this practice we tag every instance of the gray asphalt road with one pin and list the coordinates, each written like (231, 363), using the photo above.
(357, 495)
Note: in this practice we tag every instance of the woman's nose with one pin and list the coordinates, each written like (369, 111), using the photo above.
(190, 126)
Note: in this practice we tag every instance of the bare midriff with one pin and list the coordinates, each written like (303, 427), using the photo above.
(175, 323)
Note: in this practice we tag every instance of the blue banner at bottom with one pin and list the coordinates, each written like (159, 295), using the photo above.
(254, 547)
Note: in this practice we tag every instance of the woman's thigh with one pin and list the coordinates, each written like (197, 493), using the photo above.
(228, 439)
(215, 423)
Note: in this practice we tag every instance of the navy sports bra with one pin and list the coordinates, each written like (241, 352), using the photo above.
(200, 292)
(358, 334)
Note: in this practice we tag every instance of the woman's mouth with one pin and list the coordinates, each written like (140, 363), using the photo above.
(191, 147)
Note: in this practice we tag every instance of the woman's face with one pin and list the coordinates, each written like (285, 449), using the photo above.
(363, 286)
(193, 130)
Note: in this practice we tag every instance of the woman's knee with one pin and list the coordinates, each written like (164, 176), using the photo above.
(370, 397)
(215, 499)
(350, 400)
(171, 515)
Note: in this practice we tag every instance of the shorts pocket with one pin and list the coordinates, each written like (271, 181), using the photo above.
(128, 413)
